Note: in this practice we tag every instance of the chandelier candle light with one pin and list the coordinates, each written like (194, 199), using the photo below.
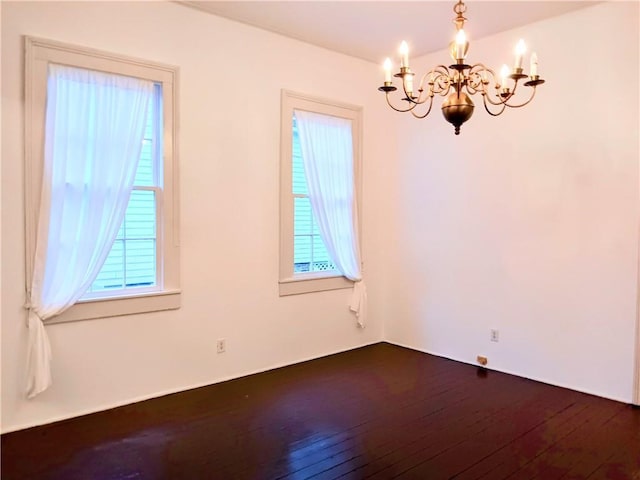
(460, 78)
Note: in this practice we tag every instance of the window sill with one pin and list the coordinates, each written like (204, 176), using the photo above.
(309, 284)
(115, 307)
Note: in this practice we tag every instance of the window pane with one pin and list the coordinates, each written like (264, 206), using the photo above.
(320, 253)
(299, 180)
(302, 252)
(321, 259)
(140, 219)
(303, 218)
(112, 274)
(140, 263)
(145, 173)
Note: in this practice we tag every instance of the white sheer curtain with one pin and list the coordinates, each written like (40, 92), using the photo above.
(327, 153)
(94, 128)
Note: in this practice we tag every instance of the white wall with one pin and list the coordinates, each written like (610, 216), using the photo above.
(528, 222)
(230, 81)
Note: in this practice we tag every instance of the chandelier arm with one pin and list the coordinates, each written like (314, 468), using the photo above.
(445, 92)
(471, 89)
(499, 100)
(413, 105)
(474, 83)
(418, 100)
(513, 92)
(486, 107)
(470, 85)
(533, 94)
(421, 88)
(410, 98)
(438, 74)
(480, 71)
(439, 83)
(505, 100)
(478, 67)
(427, 112)
(407, 96)
(422, 79)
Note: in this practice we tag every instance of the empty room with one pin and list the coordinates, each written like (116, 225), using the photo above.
(320, 240)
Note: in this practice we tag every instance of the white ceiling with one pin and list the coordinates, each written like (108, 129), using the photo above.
(372, 30)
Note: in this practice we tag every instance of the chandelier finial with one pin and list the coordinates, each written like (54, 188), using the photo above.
(459, 9)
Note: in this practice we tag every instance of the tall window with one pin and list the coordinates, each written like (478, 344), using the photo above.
(305, 262)
(141, 271)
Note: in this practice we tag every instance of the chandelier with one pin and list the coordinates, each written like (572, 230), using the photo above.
(460, 80)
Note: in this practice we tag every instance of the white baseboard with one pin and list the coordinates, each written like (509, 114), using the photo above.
(171, 391)
(509, 372)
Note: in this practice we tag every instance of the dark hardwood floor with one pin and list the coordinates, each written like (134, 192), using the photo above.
(378, 412)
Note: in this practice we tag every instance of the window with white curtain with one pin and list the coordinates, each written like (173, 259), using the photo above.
(141, 271)
(305, 262)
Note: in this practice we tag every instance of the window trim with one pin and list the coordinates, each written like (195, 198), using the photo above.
(38, 53)
(290, 284)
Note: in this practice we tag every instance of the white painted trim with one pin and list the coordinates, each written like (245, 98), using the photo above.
(636, 383)
(636, 378)
(118, 306)
(162, 393)
(59, 51)
(296, 287)
(515, 374)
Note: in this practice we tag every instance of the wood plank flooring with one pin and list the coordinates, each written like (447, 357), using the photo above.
(378, 412)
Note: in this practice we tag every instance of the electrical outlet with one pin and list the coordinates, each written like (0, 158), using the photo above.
(221, 345)
(495, 335)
